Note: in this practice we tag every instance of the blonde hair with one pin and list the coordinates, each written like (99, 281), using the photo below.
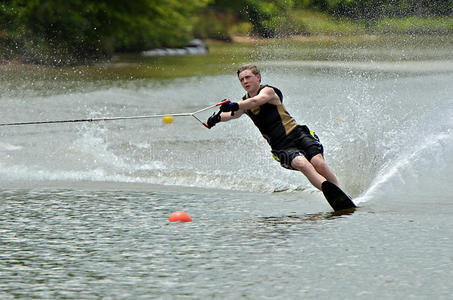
(250, 67)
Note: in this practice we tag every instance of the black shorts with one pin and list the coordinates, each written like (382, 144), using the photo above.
(300, 142)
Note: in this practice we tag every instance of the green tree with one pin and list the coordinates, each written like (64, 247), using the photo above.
(62, 32)
(269, 18)
(376, 9)
(373, 9)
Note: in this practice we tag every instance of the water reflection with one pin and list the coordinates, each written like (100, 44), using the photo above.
(307, 218)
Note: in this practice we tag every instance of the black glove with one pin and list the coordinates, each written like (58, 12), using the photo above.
(230, 106)
(214, 119)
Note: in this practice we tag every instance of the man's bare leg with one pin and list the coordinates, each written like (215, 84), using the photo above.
(302, 164)
(323, 169)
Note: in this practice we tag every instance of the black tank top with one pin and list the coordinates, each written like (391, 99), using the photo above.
(273, 121)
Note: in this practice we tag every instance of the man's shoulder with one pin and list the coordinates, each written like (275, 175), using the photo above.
(269, 88)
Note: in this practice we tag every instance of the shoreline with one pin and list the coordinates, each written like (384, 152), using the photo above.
(252, 39)
(221, 56)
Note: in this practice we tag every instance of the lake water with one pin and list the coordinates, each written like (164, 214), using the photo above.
(84, 206)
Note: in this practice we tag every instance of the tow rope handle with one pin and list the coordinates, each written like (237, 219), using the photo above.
(218, 104)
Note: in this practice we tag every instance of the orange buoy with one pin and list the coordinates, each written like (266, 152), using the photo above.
(179, 216)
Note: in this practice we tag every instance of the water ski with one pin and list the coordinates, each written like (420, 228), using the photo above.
(338, 199)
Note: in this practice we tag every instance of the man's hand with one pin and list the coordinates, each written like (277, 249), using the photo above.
(230, 106)
(214, 119)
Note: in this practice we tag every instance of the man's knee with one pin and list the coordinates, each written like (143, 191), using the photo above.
(318, 162)
(301, 163)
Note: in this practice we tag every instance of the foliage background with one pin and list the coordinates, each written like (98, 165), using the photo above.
(60, 31)
(63, 32)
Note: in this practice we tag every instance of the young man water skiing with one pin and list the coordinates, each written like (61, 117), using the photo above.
(295, 146)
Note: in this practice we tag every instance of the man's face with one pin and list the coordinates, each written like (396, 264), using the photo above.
(249, 81)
